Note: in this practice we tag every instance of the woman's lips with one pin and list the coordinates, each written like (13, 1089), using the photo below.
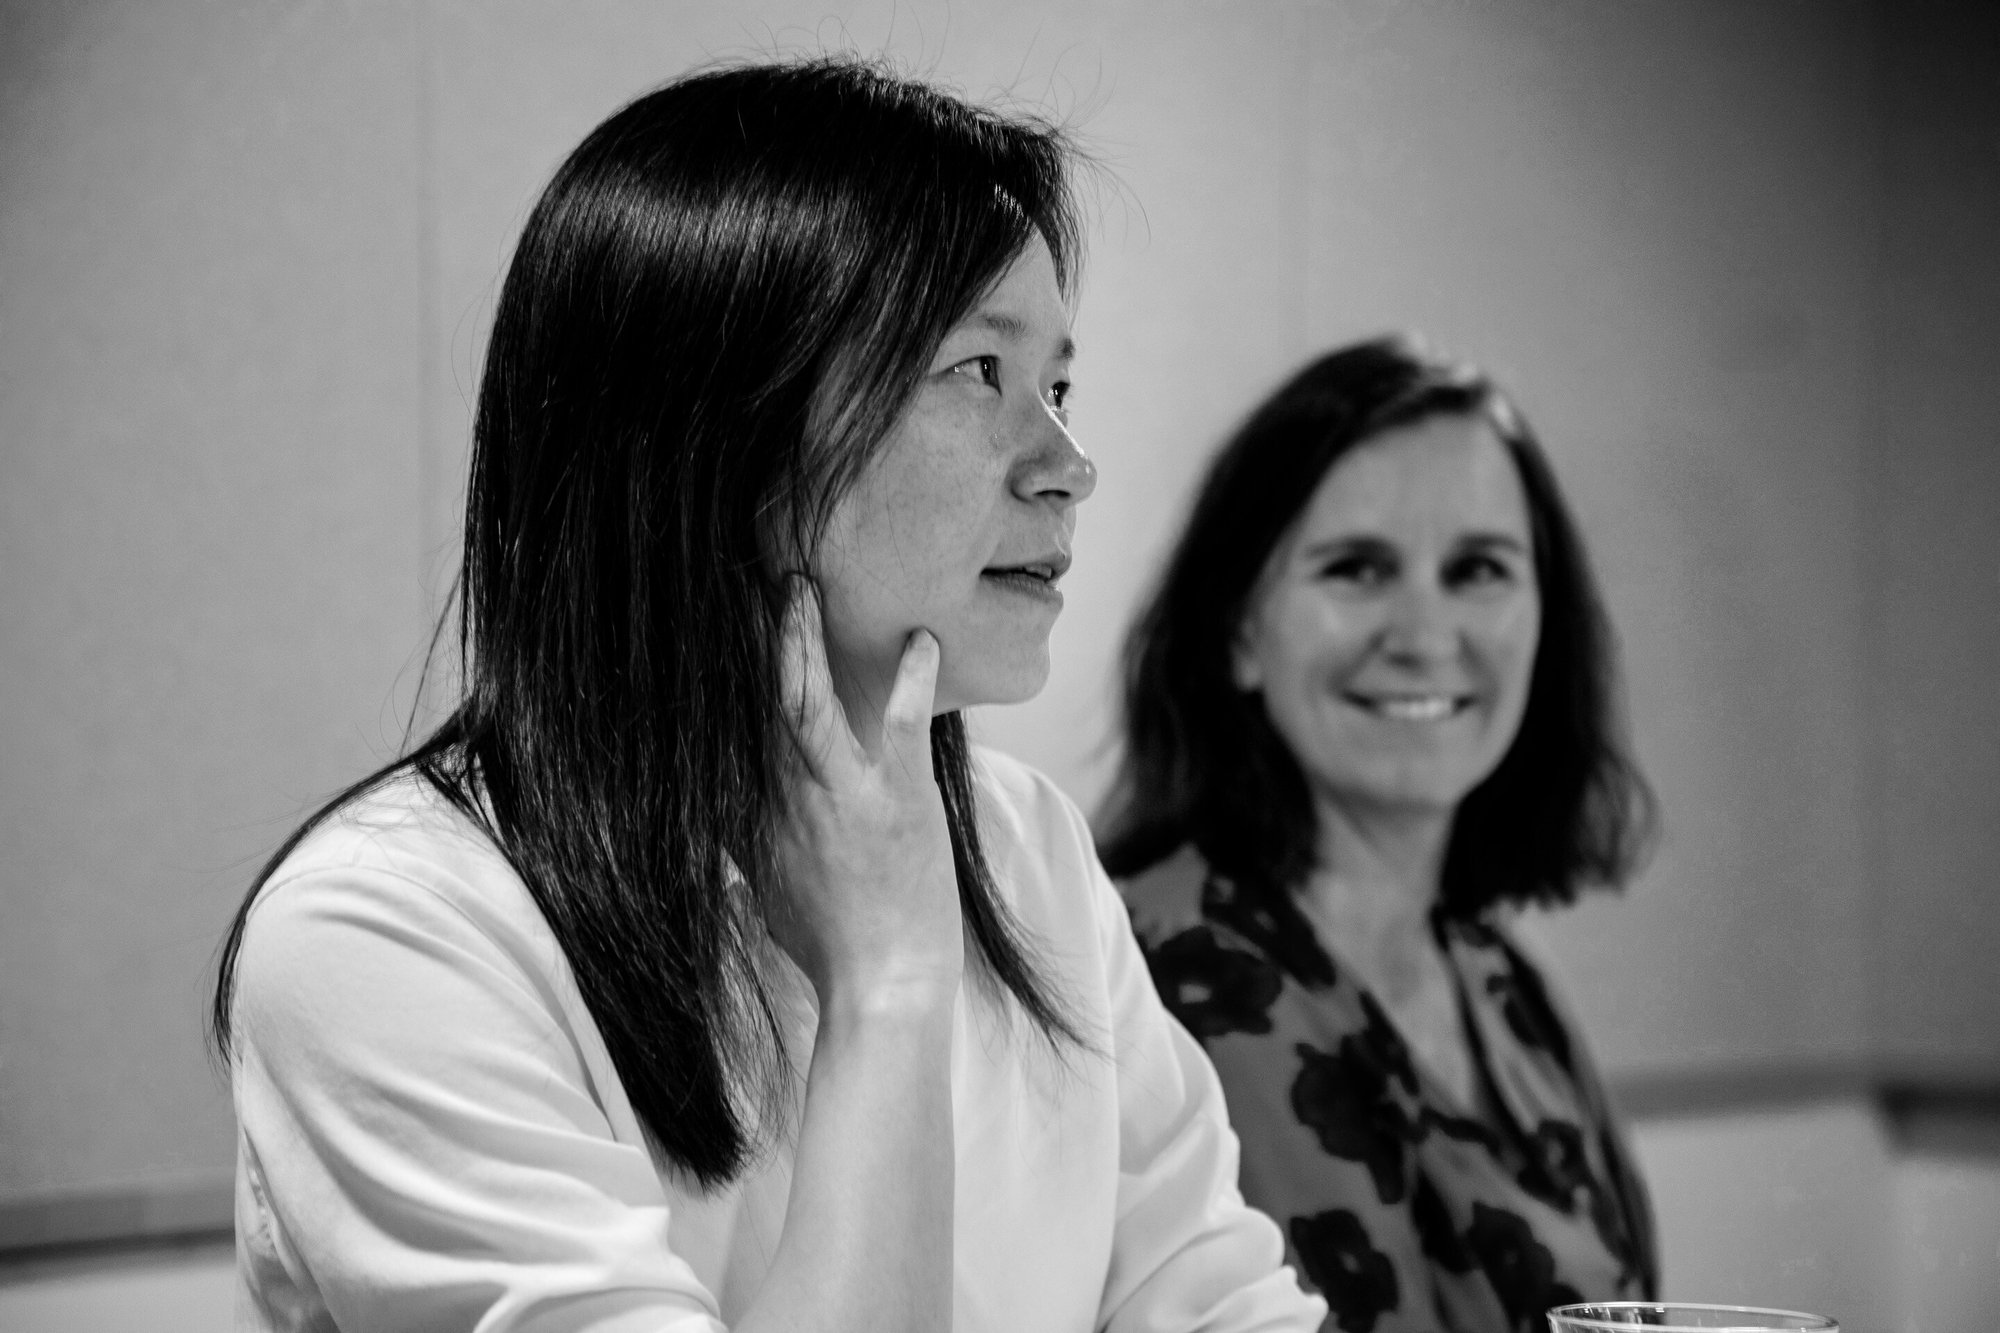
(1036, 581)
(1412, 707)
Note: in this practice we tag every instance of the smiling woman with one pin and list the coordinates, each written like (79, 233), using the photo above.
(696, 970)
(1392, 634)
(1369, 709)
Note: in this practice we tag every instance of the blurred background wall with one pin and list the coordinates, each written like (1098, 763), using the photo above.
(1736, 260)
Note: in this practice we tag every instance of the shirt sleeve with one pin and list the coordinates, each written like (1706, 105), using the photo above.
(422, 1144)
(1188, 1253)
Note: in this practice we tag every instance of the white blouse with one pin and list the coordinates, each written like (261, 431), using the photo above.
(431, 1134)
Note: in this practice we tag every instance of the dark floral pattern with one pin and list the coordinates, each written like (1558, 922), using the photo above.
(1343, 1099)
(1462, 1128)
(1556, 1171)
(1411, 1211)
(1271, 923)
(1437, 1234)
(1520, 1267)
(1380, 1038)
(1358, 1280)
(1524, 1003)
(1210, 988)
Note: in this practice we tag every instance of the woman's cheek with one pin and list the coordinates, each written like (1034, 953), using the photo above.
(1519, 632)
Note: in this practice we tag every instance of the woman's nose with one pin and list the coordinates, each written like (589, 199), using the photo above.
(1420, 626)
(1053, 468)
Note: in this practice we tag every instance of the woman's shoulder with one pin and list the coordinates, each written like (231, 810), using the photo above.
(1026, 806)
(404, 829)
(398, 865)
(1039, 846)
(394, 941)
(1022, 787)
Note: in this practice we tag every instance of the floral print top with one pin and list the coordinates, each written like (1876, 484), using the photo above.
(1410, 1211)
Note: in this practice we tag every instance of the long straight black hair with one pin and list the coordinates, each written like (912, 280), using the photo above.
(717, 310)
(1202, 764)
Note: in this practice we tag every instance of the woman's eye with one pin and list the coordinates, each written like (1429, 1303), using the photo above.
(985, 369)
(1367, 570)
(1474, 570)
(1058, 401)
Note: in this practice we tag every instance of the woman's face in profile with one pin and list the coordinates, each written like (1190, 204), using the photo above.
(961, 523)
(1393, 631)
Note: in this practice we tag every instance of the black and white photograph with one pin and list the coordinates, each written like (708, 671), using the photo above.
(999, 666)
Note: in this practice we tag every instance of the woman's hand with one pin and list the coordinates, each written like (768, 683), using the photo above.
(870, 909)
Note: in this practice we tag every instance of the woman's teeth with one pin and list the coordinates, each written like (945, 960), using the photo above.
(1424, 708)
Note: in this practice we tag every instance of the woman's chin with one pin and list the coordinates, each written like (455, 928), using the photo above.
(990, 680)
(1403, 796)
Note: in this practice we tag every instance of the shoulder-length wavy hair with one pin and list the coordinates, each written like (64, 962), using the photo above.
(1565, 806)
(718, 308)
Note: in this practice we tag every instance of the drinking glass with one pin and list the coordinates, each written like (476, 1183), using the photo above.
(1619, 1316)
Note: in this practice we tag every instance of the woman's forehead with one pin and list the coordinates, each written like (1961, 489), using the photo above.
(1025, 304)
(1447, 471)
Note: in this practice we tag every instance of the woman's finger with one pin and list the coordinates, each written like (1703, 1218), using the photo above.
(806, 682)
(906, 720)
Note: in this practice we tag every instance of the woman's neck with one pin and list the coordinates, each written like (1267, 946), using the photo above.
(1376, 881)
(1370, 901)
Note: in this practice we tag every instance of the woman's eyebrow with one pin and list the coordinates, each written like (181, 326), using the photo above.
(1505, 540)
(1345, 543)
(1015, 329)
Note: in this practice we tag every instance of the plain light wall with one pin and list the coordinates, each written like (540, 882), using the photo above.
(1946, 1212)
(246, 257)
(1790, 1207)
(1932, 528)
(209, 378)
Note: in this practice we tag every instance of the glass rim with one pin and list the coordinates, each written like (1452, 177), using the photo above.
(1580, 1315)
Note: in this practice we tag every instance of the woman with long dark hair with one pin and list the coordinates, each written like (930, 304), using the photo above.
(1370, 709)
(696, 969)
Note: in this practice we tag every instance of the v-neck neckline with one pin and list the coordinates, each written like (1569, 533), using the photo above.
(1480, 1107)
